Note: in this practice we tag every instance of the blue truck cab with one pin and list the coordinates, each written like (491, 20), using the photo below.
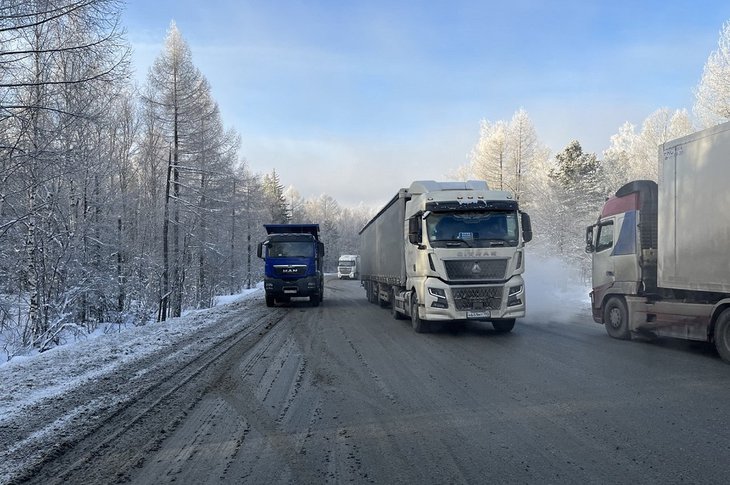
(292, 255)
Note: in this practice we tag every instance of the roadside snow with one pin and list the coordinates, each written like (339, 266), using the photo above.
(29, 379)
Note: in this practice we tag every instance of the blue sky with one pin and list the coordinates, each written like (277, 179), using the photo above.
(356, 99)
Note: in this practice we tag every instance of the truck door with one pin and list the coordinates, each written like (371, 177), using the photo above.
(603, 263)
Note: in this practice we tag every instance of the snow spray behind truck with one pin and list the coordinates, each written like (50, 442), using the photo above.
(660, 251)
(292, 255)
(444, 251)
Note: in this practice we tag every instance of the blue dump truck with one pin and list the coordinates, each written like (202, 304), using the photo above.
(292, 255)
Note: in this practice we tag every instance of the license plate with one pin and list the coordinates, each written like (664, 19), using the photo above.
(484, 314)
(290, 291)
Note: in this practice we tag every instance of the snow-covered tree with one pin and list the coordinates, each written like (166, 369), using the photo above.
(275, 198)
(175, 89)
(712, 95)
(326, 211)
(634, 156)
(295, 204)
(490, 157)
(62, 65)
(579, 190)
(504, 153)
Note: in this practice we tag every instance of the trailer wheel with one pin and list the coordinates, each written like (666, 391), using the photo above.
(722, 335)
(503, 326)
(419, 325)
(382, 303)
(371, 292)
(270, 300)
(616, 318)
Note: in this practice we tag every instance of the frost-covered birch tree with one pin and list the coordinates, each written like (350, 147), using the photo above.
(712, 95)
(634, 156)
(505, 154)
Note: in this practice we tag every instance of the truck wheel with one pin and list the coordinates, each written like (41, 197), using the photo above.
(372, 298)
(419, 325)
(314, 300)
(503, 326)
(616, 318)
(270, 300)
(393, 312)
(382, 303)
(722, 335)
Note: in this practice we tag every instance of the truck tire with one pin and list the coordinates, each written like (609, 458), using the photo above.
(722, 335)
(419, 325)
(393, 311)
(382, 303)
(504, 325)
(314, 300)
(616, 318)
(372, 295)
(270, 300)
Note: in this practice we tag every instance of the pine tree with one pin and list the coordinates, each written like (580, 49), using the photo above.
(276, 201)
(578, 185)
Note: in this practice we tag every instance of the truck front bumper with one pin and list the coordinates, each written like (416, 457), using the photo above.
(443, 302)
(307, 286)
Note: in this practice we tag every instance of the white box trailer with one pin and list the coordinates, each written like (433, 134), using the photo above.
(694, 212)
(660, 251)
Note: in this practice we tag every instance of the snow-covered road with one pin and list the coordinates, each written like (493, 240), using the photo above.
(52, 399)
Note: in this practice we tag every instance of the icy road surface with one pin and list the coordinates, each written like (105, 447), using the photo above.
(343, 393)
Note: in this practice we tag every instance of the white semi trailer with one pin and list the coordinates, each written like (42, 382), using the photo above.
(447, 251)
(660, 251)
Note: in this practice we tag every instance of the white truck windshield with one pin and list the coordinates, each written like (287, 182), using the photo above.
(472, 229)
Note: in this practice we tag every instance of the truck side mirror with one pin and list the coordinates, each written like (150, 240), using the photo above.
(414, 230)
(260, 250)
(590, 248)
(526, 227)
(320, 249)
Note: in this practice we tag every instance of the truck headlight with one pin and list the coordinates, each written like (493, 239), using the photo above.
(440, 295)
(514, 293)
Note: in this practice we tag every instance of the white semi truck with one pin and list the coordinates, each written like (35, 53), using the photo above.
(348, 266)
(660, 251)
(447, 251)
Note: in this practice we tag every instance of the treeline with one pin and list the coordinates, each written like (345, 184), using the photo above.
(565, 191)
(120, 203)
(127, 204)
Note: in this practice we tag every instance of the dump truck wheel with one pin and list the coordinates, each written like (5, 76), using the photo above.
(270, 300)
(616, 318)
(722, 335)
